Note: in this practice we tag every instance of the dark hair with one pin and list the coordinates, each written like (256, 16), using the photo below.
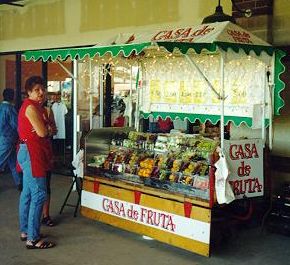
(8, 94)
(32, 81)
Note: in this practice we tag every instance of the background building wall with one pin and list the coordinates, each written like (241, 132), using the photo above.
(62, 23)
(281, 18)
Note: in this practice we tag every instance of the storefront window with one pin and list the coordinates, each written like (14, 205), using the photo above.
(7, 72)
(124, 95)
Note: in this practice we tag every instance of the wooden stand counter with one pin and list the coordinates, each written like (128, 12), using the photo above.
(167, 217)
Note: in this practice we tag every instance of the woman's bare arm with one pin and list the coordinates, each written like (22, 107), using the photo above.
(33, 116)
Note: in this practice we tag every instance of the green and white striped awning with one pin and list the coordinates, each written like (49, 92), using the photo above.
(209, 38)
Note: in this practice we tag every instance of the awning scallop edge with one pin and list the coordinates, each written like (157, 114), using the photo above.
(279, 84)
(80, 53)
(214, 119)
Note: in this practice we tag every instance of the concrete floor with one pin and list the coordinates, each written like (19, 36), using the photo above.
(87, 242)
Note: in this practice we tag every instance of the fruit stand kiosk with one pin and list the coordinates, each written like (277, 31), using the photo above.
(166, 186)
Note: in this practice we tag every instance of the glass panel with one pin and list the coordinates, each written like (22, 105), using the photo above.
(88, 95)
(59, 90)
(124, 95)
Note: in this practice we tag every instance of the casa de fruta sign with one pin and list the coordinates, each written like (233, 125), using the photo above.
(168, 222)
(245, 162)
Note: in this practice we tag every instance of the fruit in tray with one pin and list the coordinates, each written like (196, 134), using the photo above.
(144, 172)
(129, 143)
(188, 155)
(151, 137)
(120, 158)
(161, 146)
(173, 177)
(146, 167)
(192, 168)
(99, 160)
(111, 156)
(137, 136)
(176, 165)
(186, 179)
(107, 164)
(163, 175)
(207, 145)
(204, 168)
(193, 142)
(160, 160)
(147, 163)
(155, 172)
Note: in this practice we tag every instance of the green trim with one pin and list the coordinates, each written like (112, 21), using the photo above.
(183, 47)
(212, 47)
(279, 84)
(201, 117)
(80, 53)
(247, 48)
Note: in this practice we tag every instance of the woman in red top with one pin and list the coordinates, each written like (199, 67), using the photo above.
(34, 160)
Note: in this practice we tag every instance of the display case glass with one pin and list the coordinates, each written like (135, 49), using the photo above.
(179, 163)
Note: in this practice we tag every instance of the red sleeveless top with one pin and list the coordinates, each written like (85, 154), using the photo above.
(39, 148)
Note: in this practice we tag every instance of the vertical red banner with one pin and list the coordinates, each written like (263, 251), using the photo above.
(187, 209)
(96, 186)
(137, 196)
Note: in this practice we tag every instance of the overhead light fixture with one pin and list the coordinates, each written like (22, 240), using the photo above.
(220, 16)
(11, 3)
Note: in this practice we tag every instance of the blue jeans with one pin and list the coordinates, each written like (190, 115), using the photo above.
(32, 197)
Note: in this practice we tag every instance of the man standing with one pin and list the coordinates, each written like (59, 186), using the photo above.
(8, 135)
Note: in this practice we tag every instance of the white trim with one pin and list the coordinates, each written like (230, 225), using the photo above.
(178, 225)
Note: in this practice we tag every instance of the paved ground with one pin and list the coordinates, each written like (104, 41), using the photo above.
(81, 241)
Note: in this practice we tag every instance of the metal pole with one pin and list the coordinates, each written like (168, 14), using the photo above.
(130, 96)
(190, 60)
(73, 76)
(222, 99)
(75, 111)
(264, 108)
(101, 81)
(271, 102)
(91, 95)
(137, 101)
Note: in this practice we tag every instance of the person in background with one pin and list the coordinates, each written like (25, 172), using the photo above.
(120, 121)
(96, 118)
(9, 136)
(164, 126)
(49, 121)
(34, 160)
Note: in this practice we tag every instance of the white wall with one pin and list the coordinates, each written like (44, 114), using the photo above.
(281, 22)
(61, 23)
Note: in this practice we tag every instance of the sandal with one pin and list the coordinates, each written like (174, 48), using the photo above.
(24, 238)
(39, 244)
(47, 221)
